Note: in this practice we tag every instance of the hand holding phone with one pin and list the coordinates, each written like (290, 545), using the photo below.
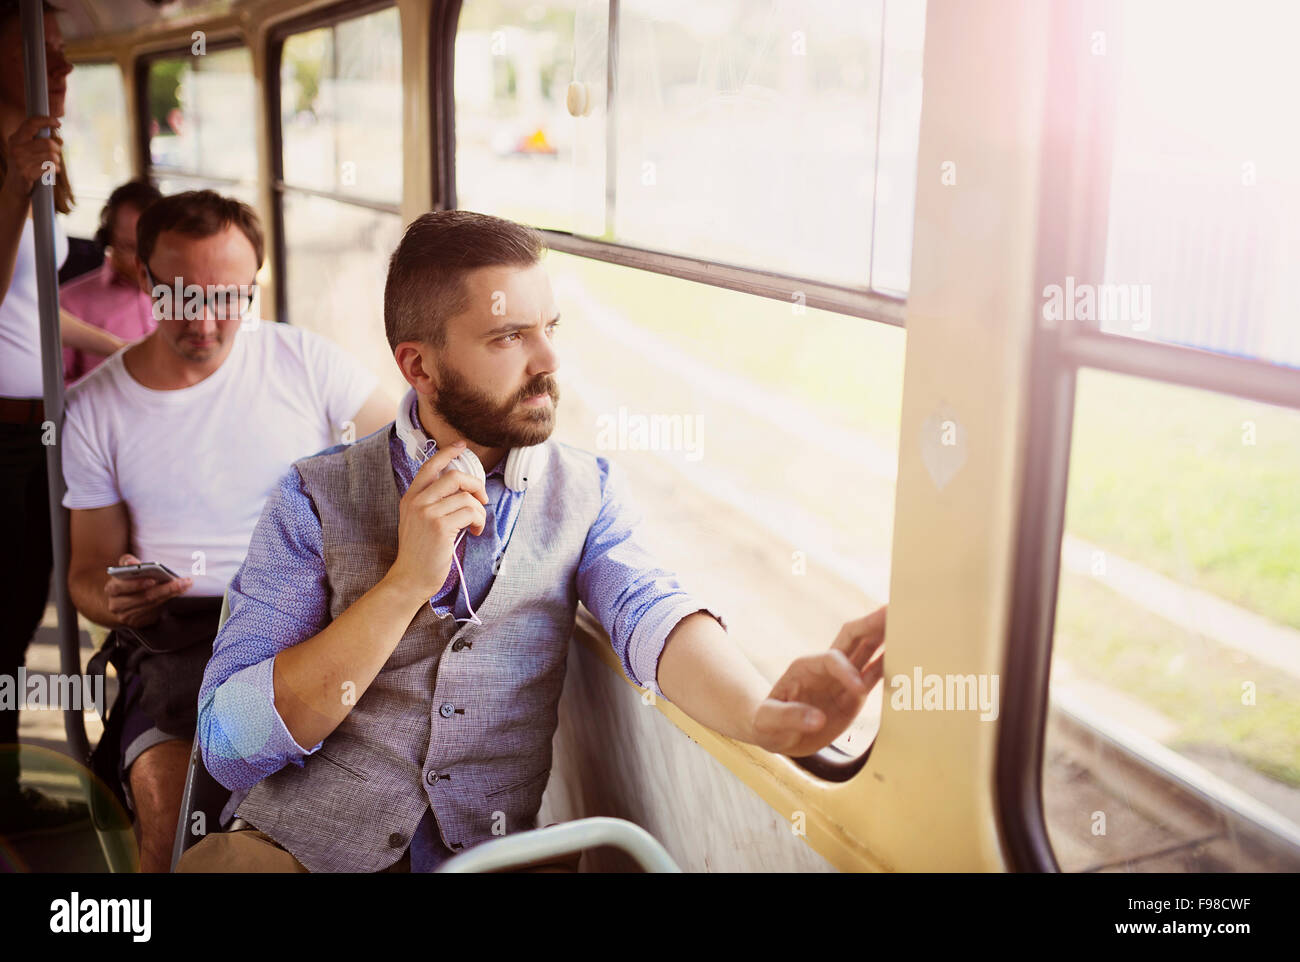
(145, 569)
(137, 590)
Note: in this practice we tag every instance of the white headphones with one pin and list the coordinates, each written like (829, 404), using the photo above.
(520, 462)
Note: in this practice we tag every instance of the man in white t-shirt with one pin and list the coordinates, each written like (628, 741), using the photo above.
(170, 448)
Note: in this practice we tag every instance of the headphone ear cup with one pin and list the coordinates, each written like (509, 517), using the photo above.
(512, 478)
(523, 463)
(469, 463)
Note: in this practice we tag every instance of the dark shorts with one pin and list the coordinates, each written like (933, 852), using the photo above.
(139, 733)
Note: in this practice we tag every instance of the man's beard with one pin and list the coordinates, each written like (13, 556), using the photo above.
(481, 419)
(183, 345)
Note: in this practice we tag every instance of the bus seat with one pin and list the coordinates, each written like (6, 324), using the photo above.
(202, 792)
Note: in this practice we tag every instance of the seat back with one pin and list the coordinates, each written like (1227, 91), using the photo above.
(202, 792)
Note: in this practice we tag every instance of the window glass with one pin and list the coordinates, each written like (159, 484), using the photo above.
(1176, 661)
(336, 262)
(341, 108)
(742, 425)
(1204, 221)
(900, 134)
(202, 118)
(745, 131)
(175, 183)
(341, 133)
(515, 138)
(94, 142)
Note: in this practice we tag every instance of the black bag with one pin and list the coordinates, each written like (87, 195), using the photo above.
(169, 657)
(105, 756)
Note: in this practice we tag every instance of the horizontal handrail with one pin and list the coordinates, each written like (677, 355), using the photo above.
(555, 841)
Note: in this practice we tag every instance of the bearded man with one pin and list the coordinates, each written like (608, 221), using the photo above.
(385, 691)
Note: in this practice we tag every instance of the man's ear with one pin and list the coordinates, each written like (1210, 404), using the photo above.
(415, 360)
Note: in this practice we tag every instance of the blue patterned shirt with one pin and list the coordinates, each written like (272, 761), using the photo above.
(280, 597)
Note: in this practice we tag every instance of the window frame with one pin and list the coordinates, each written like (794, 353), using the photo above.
(140, 70)
(855, 301)
(1076, 162)
(275, 39)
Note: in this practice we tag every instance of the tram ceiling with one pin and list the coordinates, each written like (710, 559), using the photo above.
(91, 20)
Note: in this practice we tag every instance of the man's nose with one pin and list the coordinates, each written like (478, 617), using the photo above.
(544, 359)
(58, 66)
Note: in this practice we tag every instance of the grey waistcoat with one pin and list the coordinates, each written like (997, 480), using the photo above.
(460, 717)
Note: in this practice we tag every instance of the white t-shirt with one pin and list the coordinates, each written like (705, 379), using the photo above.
(20, 319)
(195, 465)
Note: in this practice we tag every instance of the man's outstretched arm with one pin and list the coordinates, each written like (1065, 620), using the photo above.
(705, 674)
(672, 644)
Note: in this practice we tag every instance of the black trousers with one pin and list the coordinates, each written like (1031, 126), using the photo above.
(25, 566)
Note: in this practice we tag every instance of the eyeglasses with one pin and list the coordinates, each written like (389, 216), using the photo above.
(190, 301)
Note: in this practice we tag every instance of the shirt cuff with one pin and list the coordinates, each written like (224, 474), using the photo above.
(646, 646)
(244, 705)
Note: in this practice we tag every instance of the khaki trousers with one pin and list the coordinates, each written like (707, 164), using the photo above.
(248, 850)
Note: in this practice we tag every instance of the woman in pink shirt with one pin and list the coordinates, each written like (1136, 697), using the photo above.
(110, 297)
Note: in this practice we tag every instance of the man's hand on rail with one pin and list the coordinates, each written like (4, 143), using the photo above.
(819, 696)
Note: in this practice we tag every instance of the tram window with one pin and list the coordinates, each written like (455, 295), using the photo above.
(94, 142)
(341, 108)
(1177, 630)
(341, 137)
(336, 258)
(771, 136)
(1205, 185)
(514, 136)
(202, 122)
(760, 441)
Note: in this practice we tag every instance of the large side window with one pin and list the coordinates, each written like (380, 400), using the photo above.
(95, 142)
(200, 111)
(340, 183)
(1173, 743)
(780, 137)
(759, 435)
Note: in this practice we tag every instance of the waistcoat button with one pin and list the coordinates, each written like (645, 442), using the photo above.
(431, 777)
(397, 840)
(460, 644)
(447, 709)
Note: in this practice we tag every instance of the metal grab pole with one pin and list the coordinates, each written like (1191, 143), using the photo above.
(47, 284)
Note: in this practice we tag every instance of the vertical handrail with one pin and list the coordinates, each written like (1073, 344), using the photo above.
(118, 851)
(47, 284)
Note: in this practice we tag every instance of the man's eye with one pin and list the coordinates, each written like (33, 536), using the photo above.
(506, 338)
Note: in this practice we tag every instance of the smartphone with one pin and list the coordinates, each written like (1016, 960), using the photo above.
(146, 569)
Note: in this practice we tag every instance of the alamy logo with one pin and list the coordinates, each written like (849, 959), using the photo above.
(74, 915)
(629, 431)
(918, 692)
(1107, 303)
(189, 302)
(51, 691)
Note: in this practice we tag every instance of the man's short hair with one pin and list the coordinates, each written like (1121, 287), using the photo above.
(426, 274)
(134, 193)
(197, 213)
